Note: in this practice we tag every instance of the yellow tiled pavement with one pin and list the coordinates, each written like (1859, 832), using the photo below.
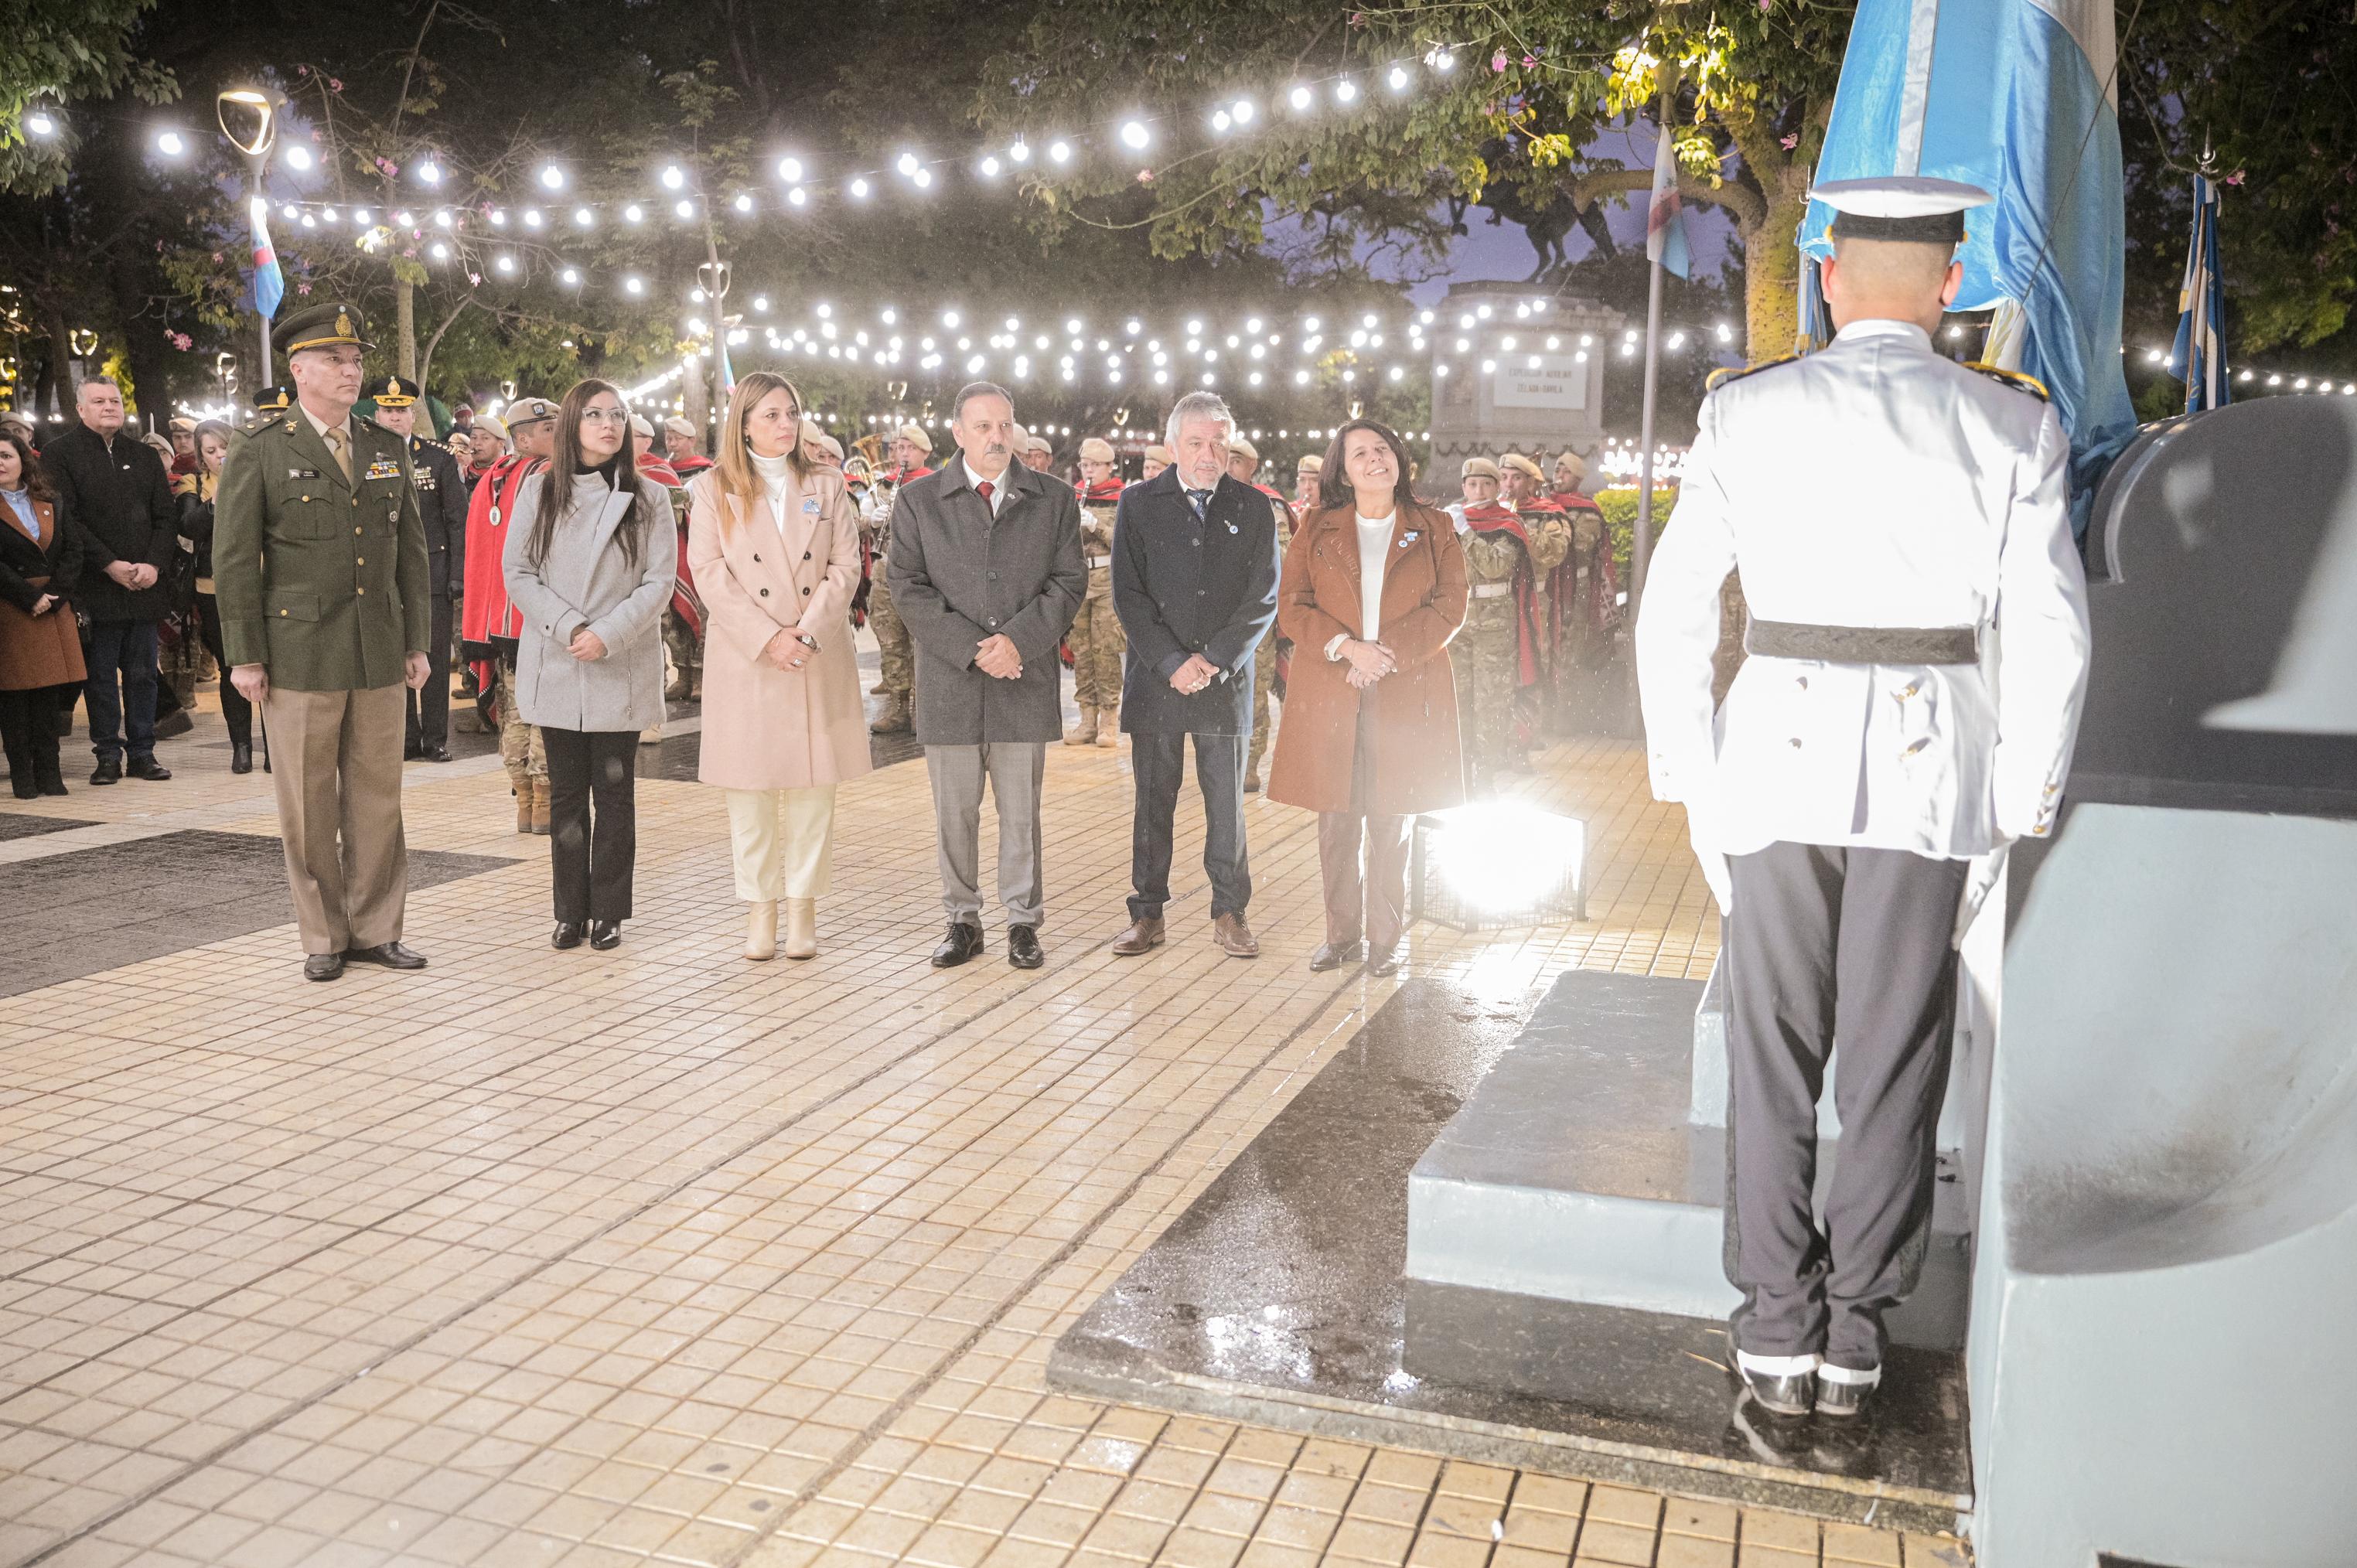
(661, 1256)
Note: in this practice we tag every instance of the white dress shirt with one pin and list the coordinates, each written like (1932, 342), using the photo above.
(1874, 483)
(997, 497)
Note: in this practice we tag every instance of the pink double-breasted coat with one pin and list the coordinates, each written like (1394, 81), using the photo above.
(760, 574)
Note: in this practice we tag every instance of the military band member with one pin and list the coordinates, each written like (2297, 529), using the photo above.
(1499, 642)
(1244, 462)
(1523, 492)
(1096, 638)
(1918, 656)
(912, 451)
(490, 625)
(441, 489)
(1156, 459)
(1307, 474)
(321, 574)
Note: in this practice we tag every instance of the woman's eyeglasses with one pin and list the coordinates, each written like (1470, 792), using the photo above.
(605, 416)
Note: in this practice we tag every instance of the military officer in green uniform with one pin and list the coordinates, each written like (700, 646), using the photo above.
(441, 487)
(321, 571)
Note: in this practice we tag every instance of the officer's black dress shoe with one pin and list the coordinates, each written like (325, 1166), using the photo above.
(568, 934)
(392, 955)
(148, 767)
(241, 756)
(1334, 955)
(438, 752)
(1786, 1394)
(108, 772)
(604, 935)
(1023, 947)
(1839, 1396)
(963, 944)
(1384, 963)
(323, 966)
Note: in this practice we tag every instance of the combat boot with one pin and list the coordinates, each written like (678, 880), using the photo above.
(542, 804)
(522, 784)
(1108, 728)
(1087, 733)
(896, 718)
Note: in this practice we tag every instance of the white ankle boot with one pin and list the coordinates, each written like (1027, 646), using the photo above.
(802, 928)
(761, 931)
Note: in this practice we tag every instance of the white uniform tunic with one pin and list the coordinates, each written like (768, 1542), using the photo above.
(1873, 483)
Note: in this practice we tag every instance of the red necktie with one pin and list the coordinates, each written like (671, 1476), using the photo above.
(981, 488)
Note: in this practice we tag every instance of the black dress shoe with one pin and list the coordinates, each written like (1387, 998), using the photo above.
(148, 767)
(20, 781)
(1384, 963)
(48, 775)
(1023, 947)
(392, 955)
(604, 935)
(241, 756)
(568, 934)
(108, 772)
(963, 944)
(323, 966)
(1785, 1393)
(1838, 1396)
(1334, 955)
(438, 752)
(412, 751)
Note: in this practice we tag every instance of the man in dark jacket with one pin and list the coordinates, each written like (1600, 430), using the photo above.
(985, 571)
(442, 503)
(1194, 581)
(113, 487)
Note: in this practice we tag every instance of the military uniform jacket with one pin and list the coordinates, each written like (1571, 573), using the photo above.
(321, 580)
(442, 498)
(1873, 484)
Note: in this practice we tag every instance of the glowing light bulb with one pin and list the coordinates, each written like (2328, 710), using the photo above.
(1135, 134)
(673, 177)
(552, 177)
(790, 170)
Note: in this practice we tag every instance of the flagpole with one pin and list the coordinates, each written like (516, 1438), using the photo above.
(1641, 547)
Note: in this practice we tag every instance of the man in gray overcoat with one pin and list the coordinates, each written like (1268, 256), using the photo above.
(985, 571)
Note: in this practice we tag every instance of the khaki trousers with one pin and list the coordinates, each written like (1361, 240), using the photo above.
(782, 842)
(336, 764)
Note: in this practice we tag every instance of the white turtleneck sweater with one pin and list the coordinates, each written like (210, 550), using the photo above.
(775, 475)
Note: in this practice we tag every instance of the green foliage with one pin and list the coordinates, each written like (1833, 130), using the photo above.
(63, 52)
(1620, 516)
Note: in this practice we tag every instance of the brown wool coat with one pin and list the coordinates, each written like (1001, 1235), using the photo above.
(1416, 765)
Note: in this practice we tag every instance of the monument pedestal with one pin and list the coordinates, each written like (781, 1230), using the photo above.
(1590, 1168)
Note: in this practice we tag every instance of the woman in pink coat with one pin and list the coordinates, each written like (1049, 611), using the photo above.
(774, 544)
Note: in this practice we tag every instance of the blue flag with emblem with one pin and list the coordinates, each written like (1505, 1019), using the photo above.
(2199, 356)
(2015, 97)
(269, 283)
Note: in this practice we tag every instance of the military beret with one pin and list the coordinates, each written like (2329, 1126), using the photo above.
(492, 423)
(530, 411)
(1478, 468)
(1239, 447)
(1158, 454)
(640, 426)
(813, 436)
(1577, 463)
(1096, 449)
(1515, 461)
(1310, 464)
(915, 434)
(1039, 444)
(676, 425)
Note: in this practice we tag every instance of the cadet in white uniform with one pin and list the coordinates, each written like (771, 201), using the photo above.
(1918, 654)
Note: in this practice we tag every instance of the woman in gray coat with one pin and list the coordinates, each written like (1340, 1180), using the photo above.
(589, 563)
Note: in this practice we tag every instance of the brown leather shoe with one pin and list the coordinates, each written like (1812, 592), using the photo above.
(1142, 936)
(1235, 938)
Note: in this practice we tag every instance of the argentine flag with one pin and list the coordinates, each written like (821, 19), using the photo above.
(2198, 356)
(269, 283)
(2017, 97)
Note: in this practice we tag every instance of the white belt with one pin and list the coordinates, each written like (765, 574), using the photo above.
(1492, 590)
(1096, 561)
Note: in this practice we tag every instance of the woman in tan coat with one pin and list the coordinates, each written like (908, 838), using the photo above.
(773, 541)
(1373, 588)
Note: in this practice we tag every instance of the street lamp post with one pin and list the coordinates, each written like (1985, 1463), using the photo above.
(249, 119)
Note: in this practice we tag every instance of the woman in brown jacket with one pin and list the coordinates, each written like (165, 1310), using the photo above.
(1373, 590)
(40, 649)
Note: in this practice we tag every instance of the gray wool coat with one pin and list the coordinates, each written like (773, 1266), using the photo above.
(959, 578)
(586, 581)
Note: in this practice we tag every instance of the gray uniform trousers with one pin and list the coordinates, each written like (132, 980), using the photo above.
(1014, 769)
(1825, 941)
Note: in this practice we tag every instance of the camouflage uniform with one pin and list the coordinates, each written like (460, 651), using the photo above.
(521, 747)
(894, 651)
(1265, 658)
(1488, 651)
(1096, 638)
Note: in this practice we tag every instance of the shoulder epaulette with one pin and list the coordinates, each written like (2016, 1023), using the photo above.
(2014, 378)
(1726, 374)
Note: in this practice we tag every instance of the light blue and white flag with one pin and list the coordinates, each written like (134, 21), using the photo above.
(2200, 356)
(1665, 217)
(2017, 97)
(269, 283)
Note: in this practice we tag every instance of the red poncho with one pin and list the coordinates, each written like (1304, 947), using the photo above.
(485, 615)
(1491, 518)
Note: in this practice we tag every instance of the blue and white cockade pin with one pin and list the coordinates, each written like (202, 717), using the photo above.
(1407, 539)
(1232, 527)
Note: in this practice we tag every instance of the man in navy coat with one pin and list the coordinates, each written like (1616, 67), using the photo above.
(1194, 585)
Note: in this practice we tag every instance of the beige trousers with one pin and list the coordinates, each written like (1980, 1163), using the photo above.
(336, 764)
(783, 841)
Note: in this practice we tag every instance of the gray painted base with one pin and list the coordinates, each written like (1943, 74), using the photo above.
(1575, 1174)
